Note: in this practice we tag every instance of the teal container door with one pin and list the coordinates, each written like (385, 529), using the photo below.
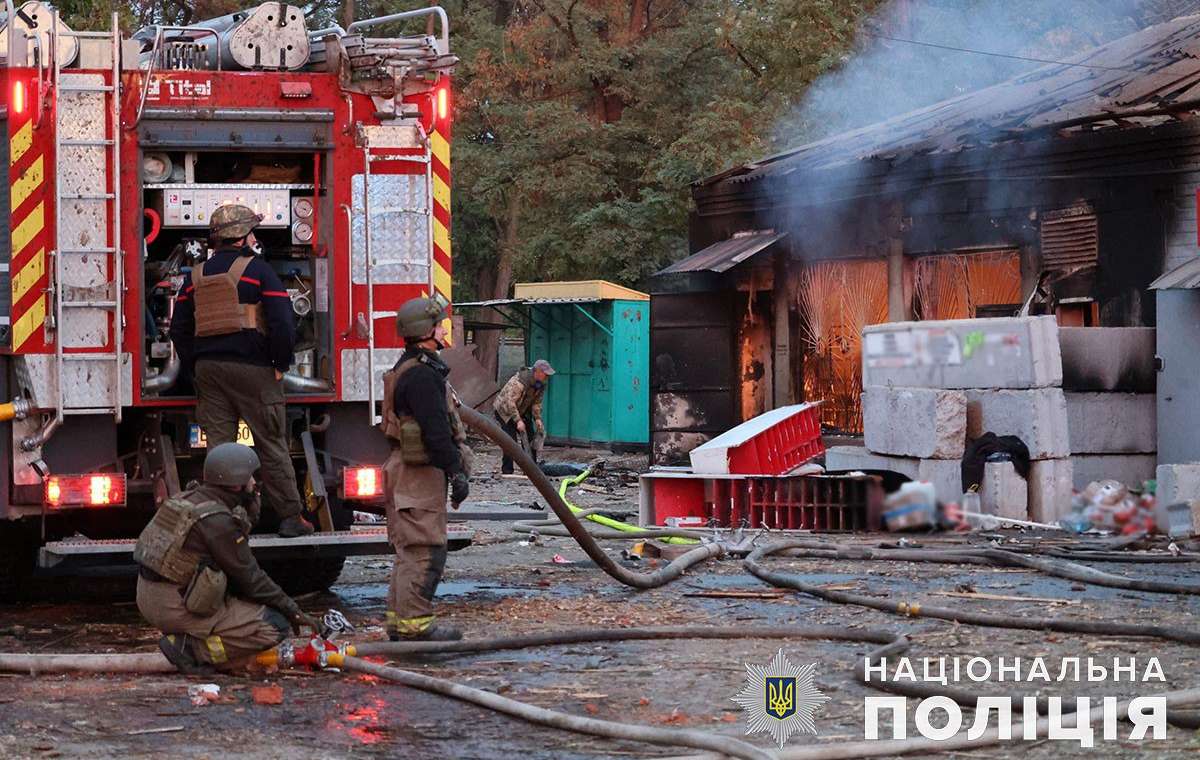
(578, 402)
(631, 372)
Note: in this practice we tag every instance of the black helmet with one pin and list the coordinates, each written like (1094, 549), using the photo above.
(230, 464)
(417, 317)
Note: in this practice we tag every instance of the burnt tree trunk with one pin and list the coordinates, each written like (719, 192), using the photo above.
(494, 283)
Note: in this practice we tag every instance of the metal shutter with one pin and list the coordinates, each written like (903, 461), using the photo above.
(1070, 238)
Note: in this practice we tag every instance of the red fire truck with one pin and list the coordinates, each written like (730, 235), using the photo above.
(118, 151)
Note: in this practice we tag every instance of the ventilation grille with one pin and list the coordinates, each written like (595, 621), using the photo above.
(1070, 239)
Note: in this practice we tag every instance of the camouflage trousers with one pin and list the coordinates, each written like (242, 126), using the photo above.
(237, 630)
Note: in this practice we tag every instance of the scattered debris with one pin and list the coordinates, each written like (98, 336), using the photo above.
(163, 730)
(204, 693)
(267, 695)
(1002, 597)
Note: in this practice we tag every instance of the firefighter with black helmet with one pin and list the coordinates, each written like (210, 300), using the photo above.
(198, 581)
(233, 327)
(429, 452)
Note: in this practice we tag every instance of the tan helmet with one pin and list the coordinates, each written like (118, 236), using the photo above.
(233, 221)
(417, 317)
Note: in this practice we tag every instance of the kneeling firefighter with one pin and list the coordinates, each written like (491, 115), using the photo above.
(198, 581)
(420, 419)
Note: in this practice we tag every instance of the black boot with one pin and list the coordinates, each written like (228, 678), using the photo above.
(294, 526)
(177, 649)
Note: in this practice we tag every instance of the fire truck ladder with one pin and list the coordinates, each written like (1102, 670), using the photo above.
(371, 264)
(88, 261)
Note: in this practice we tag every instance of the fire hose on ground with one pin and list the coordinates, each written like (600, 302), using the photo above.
(888, 644)
(571, 523)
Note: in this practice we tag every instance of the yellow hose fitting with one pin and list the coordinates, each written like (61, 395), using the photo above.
(16, 409)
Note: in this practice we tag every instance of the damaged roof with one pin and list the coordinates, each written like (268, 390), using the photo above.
(725, 255)
(1143, 79)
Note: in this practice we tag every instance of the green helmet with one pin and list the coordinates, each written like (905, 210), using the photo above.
(230, 464)
(417, 317)
(233, 221)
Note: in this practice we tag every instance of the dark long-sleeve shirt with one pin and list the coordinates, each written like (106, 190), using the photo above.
(259, 283)
(421, 394)
(219, 538)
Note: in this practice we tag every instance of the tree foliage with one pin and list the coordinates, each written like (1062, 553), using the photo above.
(579, 124)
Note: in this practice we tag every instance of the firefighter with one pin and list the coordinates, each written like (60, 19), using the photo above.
(233, 321)
(518, 408)
(420, 419)
(197, 580)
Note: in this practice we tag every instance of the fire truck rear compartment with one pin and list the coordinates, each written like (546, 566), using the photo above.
(180, 190)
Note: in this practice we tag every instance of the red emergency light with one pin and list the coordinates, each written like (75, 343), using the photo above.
(442, 96)
(97, 489)
(362, 482)
(18, 97)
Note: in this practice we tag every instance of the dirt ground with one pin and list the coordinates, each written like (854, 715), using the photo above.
(502, 584)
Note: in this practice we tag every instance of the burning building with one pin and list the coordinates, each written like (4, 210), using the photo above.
(1066, 190)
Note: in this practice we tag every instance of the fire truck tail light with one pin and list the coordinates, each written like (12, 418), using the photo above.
(98, 489)
(443, 103)
(362, 482)
(18, 97)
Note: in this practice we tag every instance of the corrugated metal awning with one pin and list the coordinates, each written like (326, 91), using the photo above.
(1186, 276)
(493, 302)
(725, 255)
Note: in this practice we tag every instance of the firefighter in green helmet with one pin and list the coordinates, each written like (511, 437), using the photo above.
(197, 580)
(429, 452)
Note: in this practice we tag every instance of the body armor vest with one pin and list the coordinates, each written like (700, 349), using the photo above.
(160, 547)
(404, 428)
(218, 310)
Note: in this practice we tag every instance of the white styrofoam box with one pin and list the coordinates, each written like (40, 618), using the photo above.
(1016, 352)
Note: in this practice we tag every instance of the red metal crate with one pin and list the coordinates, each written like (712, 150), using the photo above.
(802, 502)
(774, 443)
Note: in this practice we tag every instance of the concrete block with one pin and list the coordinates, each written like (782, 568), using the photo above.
(1108, 359)
(1003, 492)
(1050, 488)
(846, 458)
(1178, 482)
(1016, 352)
(1038, 417)
(945, 474)
(1112, 423)
(1130, 469)
(915, 422)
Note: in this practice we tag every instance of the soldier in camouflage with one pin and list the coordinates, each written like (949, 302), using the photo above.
(197, 580)
(518, 408)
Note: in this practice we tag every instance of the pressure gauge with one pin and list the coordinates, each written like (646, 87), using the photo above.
(302, 208)
(302, 232)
